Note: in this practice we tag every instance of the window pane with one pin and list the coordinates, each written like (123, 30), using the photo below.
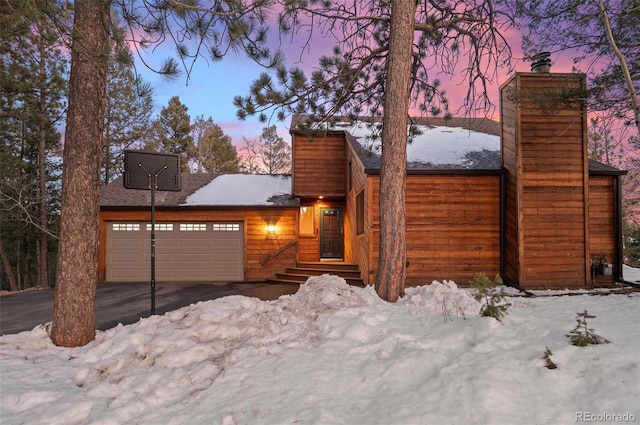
(193, 227)
(226, 227)
(125, 227)
(161, 227)
(306, 221)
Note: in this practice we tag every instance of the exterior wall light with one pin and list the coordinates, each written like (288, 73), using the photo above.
(271, 231)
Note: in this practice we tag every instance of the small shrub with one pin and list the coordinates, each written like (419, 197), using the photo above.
(549, 364)
(491, 297)
(582, 335)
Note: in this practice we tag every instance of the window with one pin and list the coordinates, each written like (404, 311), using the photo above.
(125, 227)
(360, 213)
(161, 227)
(193, 227)
(306, 220)
(226, 227)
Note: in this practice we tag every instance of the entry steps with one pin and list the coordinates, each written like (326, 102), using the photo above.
(299, 274)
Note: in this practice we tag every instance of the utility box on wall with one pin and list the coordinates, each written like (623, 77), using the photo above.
(544, 151)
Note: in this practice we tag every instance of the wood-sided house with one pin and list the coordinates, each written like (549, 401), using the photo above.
(518, 197)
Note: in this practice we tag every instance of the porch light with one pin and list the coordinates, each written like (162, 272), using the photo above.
(271, 231)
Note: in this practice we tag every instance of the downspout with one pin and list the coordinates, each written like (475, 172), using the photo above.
(619, 249)
(503, 223)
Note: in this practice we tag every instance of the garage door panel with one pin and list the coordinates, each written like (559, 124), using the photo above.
(165, 258)
(193, 243)
(192, 274)
(127, 275)
(193, 258)
(194, 252)
(127, 258)
(126, 243)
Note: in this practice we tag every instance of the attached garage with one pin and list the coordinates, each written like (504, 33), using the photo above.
(217, 228)
(210, 251)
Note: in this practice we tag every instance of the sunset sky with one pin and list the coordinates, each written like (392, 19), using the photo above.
(211, 87)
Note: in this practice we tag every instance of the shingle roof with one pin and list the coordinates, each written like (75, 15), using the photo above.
(115, 195)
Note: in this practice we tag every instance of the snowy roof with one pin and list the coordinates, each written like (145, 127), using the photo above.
(434, 147)
(435, 143)
(243, 189)
(207, 190)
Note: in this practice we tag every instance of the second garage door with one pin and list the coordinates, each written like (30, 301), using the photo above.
(211, 251)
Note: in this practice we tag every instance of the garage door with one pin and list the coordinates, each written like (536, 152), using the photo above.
(211, 251)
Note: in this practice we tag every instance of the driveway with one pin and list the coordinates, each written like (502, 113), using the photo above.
(126, 303)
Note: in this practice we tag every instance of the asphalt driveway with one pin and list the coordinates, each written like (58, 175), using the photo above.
(126, 303)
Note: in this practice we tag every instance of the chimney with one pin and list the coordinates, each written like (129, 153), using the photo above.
(541, 62)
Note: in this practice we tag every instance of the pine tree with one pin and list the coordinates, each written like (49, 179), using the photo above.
(231, 24)
(127, 118)
(216, 153)
(74, 308)
(174, 125)
(387, 57)
(33, 82)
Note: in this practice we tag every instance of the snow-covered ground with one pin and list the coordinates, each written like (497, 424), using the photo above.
(336, 354)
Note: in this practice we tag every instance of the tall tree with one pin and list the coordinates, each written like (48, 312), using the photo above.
(393, 166)
(174, 126)
(215, 152)
(127, 118)
(366, 75)
(214, 30)
(74, 310)
(32, 93)
(275, 153)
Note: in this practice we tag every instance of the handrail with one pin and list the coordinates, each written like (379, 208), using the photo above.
(277, 252)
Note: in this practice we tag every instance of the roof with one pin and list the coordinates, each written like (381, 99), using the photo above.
(207, 190)
(439, 145)
(435, 144)
(600, 169)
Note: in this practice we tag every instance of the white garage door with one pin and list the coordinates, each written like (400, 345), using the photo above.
(209, 251)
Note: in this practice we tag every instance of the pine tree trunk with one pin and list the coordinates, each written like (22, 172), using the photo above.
(393, 167)
(43, 248)
(77, 272)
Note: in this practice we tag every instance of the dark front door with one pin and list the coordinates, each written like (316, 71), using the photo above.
(331, 243)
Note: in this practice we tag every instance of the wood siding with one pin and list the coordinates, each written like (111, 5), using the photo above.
(358, 247)
(453, 227)
(544, 152)
(318, 166)
(602, 221)
(258, 249)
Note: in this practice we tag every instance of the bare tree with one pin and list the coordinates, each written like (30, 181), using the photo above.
(274, 152)
(602, 40)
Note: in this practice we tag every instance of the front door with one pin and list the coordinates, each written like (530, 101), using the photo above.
(331, 243)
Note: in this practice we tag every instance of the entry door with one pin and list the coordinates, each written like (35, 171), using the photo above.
(331, 242)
